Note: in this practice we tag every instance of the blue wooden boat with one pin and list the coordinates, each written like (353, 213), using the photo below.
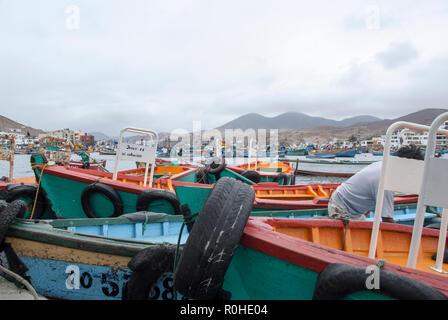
(324, 156)
(349, 153)
(98, 261)
(333, 154)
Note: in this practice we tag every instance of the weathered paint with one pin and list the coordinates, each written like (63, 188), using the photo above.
(50, 277)
(60, 253)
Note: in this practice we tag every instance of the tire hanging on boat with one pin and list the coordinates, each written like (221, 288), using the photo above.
(216, 168)
(147, 267)
(338, 280)
(26, 191)
(253, 176)
(8, 212)
(213, 239)
(146, 197)
(281, 176)
(108, 192)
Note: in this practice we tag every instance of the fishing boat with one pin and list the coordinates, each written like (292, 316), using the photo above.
(112, 258)
(270, 196)
(87, 162)
(67, 192)
(95, 259)
(107, 151)
(299, 252)
(381, 153)
(324, 173)
(91, 193)
(319, 156)
(317, 258)
(337, 162)
(333, 154)
(298, 152)
(264, 171)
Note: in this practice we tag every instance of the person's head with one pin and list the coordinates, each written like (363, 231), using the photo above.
(411, 152)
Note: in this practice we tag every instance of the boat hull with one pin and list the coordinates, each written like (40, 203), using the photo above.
(270, 264)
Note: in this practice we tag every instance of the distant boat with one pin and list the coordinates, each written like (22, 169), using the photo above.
(107, 152)
(325, 174)
(299, 152)
(334, 154)
(381, 154)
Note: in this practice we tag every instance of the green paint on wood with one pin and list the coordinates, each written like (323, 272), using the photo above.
(255, 275)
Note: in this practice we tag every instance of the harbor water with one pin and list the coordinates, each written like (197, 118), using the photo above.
(22, 167)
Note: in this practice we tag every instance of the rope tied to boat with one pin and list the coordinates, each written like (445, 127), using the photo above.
(176, 257)
(42, 166)
(380, 264)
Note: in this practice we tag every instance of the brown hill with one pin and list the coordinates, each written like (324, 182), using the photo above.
(324, 134)
(7, 124)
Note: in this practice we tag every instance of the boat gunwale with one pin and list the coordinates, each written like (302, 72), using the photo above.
(89, 178)
(260, 235)
(45, 233)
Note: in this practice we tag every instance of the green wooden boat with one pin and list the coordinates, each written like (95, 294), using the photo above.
(81, 193)
(299, 152)
(229, 255)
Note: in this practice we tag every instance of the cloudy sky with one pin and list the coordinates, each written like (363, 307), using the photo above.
(98, 65)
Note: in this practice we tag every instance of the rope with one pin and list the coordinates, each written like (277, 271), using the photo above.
(176, 255)
(38, 188)
(22, 281)
(144, 224)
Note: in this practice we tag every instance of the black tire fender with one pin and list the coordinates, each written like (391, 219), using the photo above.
(107, 191)
(29, 192)
(216, 168)
(213, 240)
(8, 212)
(147, 196)
(253, 176)
(281, 176)
(147, 266)
(338, 280)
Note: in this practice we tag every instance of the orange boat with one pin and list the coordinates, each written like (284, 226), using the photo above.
(281, 172)
(316, 244)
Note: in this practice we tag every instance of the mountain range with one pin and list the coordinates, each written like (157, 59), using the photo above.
(291, 120)
(293, 126)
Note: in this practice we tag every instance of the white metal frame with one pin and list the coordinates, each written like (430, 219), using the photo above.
(433, 193)
(252, 147)
(398, 174)
(154, 138)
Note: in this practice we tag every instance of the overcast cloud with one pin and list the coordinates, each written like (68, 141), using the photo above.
(160, 64)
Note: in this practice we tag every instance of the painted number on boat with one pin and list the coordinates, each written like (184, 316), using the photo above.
(85, 280)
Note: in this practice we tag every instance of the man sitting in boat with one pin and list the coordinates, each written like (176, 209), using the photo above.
(357, 196)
